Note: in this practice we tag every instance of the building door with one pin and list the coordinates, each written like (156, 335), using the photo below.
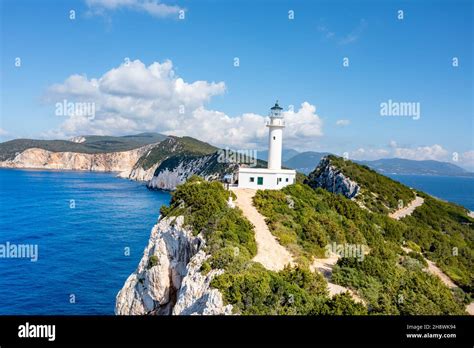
(260, 180)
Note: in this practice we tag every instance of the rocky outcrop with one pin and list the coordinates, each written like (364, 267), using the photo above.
(168, 279)
(329, 177)
(138, 173)
(195, 295)
(37, 158)
(176, 170)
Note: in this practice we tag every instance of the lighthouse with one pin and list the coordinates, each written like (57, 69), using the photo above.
(275, 135)
(273, 177)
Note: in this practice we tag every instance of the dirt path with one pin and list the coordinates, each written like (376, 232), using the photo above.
(435, 270)
(325, 266)
(270, 253)
(408, 210)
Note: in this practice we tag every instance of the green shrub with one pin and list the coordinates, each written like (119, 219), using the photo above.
(152, 261)
(205, 268)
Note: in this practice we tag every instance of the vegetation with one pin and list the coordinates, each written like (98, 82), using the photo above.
(230, 241)
(445, 234)
(153, 261)
(92, 144)
(378, 193)
(257, 291)
(389, 280)
(305, 220)
(212, 167)
(173, 146)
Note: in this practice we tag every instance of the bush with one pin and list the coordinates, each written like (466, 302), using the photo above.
(152, 261)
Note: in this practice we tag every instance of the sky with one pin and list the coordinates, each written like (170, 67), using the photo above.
(364, 79)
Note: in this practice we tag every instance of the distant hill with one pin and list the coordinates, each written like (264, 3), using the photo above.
(173, 146)
(286, 154)
(305, 162)
(176, 159)
(405, 166)
(84, 144)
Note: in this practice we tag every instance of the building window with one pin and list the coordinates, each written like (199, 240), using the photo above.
(252, 179)
(260, 180)
(278, 180)
(274, 138)
(286, 179)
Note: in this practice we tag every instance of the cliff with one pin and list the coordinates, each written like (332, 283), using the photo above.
(368, 188)
(168, 279)
(88, 144)
(162, 164)
(328, 176)
(108, 162)
(178, 169)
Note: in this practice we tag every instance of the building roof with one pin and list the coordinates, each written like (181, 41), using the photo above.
(276, 107)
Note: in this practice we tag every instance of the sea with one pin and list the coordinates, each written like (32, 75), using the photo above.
(456, 189)
(89, 230)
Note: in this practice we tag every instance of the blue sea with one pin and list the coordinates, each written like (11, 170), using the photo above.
(82, 224)
(454, 189)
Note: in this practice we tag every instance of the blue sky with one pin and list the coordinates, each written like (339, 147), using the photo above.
(298, 61)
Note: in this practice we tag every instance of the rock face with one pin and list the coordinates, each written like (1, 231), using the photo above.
(104, 162)
(138, 173)
(162, 165)
(168, 279)
(332, 179)
(178, 169)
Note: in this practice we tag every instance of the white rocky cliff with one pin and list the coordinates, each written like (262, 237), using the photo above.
(105, 162)
(332, 179)
(168, 278)
(171, 173)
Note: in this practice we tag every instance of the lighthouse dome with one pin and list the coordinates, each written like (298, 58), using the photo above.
(275, 111)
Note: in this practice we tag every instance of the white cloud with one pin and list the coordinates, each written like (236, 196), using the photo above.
(135, 98)
(343, 123)
(354, 34)
(3, 132)
(152, 7)
(467, 159)
(369, 154)
(434, 152)
(345, 39)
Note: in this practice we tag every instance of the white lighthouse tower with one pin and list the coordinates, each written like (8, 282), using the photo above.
(272, 177)
(275, 135)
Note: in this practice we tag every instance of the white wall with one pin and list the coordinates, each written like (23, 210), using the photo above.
(275, 136)
(269, 180)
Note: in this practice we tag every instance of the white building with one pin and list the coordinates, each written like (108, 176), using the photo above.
(272, 177)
